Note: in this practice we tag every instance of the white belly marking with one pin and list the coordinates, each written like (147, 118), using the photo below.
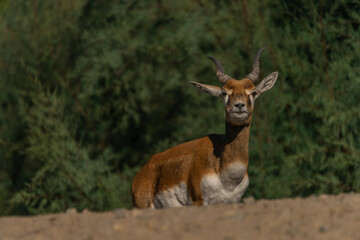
(173, 197)
(228, 187)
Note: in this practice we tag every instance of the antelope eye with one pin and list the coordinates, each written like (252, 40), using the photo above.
(253, 93)
(223, 94)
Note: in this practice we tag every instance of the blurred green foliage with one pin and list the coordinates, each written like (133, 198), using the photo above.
(91, 89)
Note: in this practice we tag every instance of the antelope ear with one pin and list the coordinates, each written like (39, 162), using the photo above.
(267, 83)
(209, 89)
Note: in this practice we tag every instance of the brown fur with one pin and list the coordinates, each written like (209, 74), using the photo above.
(191, 161)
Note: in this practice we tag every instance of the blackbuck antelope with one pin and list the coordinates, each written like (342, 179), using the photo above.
(211, 169)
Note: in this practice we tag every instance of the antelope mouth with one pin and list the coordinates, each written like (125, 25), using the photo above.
(239, 113)
(237, 117)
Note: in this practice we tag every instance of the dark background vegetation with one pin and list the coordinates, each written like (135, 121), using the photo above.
(91, 89)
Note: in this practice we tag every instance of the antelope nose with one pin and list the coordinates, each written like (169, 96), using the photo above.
(239, 105)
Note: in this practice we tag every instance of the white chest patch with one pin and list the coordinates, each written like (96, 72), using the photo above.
(228, 187)
(173, 197)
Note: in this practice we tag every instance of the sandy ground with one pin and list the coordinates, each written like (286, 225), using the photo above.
(323, 217)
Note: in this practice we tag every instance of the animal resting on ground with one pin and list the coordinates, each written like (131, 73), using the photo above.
(211, 169)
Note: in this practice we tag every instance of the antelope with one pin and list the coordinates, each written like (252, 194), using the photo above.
(211, 169)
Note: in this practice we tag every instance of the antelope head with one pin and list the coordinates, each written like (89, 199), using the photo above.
(239, 95)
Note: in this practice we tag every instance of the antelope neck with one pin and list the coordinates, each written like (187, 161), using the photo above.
(236, 144)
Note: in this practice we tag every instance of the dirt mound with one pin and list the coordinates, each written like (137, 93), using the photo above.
(323, 217)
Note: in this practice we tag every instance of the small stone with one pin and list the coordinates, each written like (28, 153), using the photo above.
(120, 213)
(249, 200)
(136, 212)
(228, 213)
(323, 229)
(118, 227)
(85, 211)
(323, 196)
(71, 211)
